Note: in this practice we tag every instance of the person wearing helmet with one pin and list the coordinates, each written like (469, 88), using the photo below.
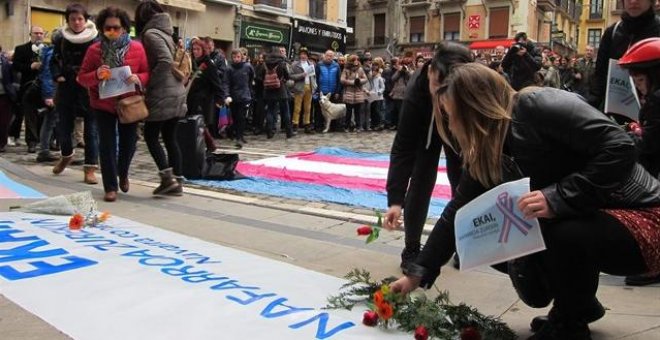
(642, 60)
(638, 22)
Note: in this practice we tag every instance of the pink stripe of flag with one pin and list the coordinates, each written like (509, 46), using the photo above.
(333, 180)
(346, 161)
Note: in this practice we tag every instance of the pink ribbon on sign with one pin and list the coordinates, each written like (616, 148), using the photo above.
(505, 205)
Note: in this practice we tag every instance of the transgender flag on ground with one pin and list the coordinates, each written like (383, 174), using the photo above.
(12, 189)
(328, 174)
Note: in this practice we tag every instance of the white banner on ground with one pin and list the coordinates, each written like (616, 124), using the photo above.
(126, 280)
(491, 229)
(620, 94)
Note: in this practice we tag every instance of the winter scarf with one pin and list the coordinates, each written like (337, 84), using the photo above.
(113, 51)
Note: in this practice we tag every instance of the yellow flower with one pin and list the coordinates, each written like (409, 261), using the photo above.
(385, 289)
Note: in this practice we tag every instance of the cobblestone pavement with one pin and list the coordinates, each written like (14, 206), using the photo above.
(257, 147)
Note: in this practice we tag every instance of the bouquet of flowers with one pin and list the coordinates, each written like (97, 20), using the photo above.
(92, 219)
(437, 318)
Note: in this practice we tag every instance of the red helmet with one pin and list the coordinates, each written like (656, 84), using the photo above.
(643, 54)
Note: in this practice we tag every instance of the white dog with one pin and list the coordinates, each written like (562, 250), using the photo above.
(331, 110)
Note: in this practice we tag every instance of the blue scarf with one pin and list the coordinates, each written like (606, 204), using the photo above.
(113, 51)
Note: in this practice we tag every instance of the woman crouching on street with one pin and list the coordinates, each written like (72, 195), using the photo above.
(115, 49)
(598, 208)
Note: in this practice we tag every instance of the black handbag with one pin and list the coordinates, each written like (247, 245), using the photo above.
(221, 166)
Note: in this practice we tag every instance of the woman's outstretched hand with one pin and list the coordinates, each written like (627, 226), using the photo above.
(405, 284)
(534, 205)
(392, 218)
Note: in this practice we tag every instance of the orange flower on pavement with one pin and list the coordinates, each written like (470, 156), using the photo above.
(104, 216)
(378, 298)
(385, 311)
(76, 222)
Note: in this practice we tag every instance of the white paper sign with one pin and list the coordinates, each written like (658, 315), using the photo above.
(491, 229)
(620, 95)
(126, 280)
(116, 85)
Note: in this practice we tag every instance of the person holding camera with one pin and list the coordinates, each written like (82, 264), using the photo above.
(522, 62)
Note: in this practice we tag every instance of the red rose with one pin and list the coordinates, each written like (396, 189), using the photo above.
(202, 66)
(76, 222)
(470, 333)
(421, 333)
(370, 318)
(364, 230)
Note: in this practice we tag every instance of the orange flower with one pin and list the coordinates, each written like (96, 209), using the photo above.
(76, 222)
(104, 74)
(104, 216)
(385, 311)
(378, 298)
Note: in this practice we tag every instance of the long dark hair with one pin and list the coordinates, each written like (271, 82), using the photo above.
(447, 55)
(113, 12)
(144, 12)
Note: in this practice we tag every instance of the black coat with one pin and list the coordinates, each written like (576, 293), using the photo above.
(205, 90)
(575, 155)
(67, 58)
(238, 82)
(649, 143)
(411, 137)
(629, 31)
(23, 59)
(522, 69)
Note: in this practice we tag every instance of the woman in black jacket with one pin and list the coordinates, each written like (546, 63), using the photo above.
(204, 90)
(599, 210)
(72, 99)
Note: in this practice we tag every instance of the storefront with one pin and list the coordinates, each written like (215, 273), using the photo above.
(260, 38)
(318, 37)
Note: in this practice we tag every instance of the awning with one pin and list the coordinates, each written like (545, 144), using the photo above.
(184, 4)
(490, 44)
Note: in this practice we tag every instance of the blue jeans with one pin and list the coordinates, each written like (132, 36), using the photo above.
(47, 125)
(284, 113)
(73, 102)
(116, 148)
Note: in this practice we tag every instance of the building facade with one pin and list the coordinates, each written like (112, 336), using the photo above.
(254, 24)
(397, 26)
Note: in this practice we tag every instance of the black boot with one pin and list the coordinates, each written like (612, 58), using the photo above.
(642, 280)
(167, 182)
(560, 327)
(589, 314)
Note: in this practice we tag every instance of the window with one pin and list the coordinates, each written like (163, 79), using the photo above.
(596, 9)
(417, 29)
(317, 8)
(452, 26)
(498, 22)
(593, 37)
(350, 37)
(379, 29)
(274, 3)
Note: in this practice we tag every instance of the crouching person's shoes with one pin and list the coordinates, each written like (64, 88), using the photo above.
(560, 328)
(642, 280)
(593, 312)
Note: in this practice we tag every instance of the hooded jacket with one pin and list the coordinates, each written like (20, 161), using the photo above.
(165, 95)
(614, 44)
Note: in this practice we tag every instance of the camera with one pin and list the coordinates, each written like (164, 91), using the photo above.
(516, 47)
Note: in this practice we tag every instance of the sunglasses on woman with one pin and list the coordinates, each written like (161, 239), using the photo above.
(112, 28)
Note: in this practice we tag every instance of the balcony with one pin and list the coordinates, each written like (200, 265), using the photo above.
(273, 7)
(546, 5)
(415, 3)
(226, 2)
(377, 3)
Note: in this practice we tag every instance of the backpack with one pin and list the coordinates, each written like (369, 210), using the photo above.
(181, 63)
(272, 80)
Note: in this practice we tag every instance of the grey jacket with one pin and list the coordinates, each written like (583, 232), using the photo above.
(298, 76)
(165, 95)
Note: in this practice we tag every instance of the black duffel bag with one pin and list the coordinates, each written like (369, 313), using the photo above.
(221, 166)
